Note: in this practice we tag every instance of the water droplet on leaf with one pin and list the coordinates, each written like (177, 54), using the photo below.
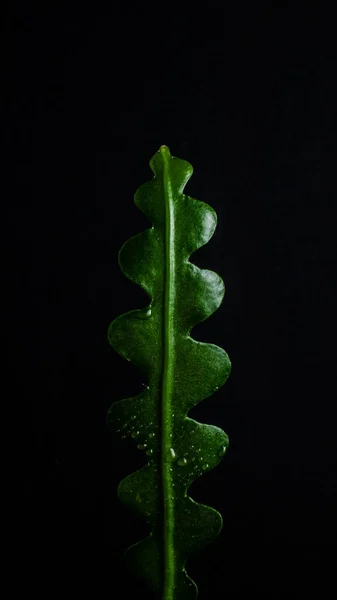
(222, 451)
(143, 314)
(182, 462)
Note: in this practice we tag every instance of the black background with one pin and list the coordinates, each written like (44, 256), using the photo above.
(247, 94)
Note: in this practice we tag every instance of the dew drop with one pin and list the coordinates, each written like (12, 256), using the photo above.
(182, 462)
(172, 452)
(135, 434)
(133, 417)
(149, 452)
(143, 314)
(205, 466)
(140, 446)
(222, 451)
(151, 435)
(138, 498)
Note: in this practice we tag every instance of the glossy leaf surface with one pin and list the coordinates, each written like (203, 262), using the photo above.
(179, 372)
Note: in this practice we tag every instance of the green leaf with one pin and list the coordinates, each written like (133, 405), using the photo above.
(180, 372)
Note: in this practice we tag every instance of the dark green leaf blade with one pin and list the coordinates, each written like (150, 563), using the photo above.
(180, 372)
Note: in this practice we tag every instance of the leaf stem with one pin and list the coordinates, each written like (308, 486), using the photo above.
(167, 425)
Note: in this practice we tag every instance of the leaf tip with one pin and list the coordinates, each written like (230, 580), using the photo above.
(164, 150)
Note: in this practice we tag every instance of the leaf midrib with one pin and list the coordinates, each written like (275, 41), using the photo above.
(167, 379)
